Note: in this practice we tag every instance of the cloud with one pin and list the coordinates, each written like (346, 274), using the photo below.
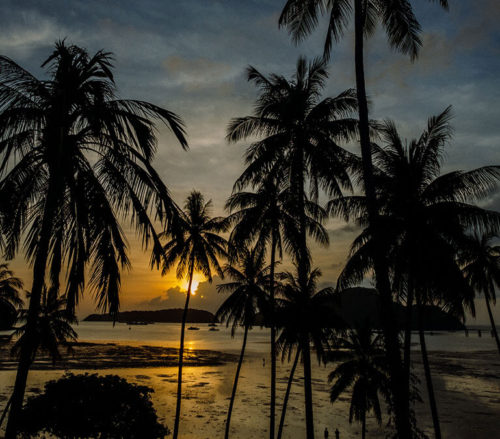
(206, 298)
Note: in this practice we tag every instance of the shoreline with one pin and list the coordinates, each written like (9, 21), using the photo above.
(91, 355)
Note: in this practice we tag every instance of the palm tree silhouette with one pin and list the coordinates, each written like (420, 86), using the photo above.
(250, 279)
(53, 327)
(304, 316)
(363, 368)
(403, 31)
(299, 135)
(195, 246)
(268, 217)
(74, 159)
(481, 266)
(9, 290)
(425, 217)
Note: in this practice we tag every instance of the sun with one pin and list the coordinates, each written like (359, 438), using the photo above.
(194, 286)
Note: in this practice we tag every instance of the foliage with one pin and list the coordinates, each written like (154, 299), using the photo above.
(92, 406)
(53, 327)
(10, 300)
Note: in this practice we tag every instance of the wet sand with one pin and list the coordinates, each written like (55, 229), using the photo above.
(467, 391)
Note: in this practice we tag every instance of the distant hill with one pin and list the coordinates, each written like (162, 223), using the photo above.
(161, 316)
(358, 304)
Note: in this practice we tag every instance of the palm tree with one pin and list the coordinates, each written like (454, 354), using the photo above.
(403, 31)
(299, 135)
(305, 315)
(425, 216)
(9, 292)
(287, 392)
(74, 159)
(195, 246)
(364, 370)
(53, 327)
(248, 297)
(481, 266)
(267, 216)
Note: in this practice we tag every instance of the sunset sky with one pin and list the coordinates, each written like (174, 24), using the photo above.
(190, 57)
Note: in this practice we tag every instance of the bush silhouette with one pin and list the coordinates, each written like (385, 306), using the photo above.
(92, 406)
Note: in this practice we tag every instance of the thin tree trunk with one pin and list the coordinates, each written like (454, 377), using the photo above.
(27, 348)
(235, 385)
(363, 426)
(287, 394)
(492, 321)
(306, 356)
(273, 341)
(428, 376)
(399, 394)
(5, 410)
(408, 328)
(181, 354)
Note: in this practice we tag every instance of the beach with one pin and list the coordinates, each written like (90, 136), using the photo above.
(467, 382)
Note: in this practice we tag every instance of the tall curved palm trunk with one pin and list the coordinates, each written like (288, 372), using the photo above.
(273, 339)
(27, 349)
(401, 398)
(181, 353)
(427, 371)
(287, 395)
(235, 384)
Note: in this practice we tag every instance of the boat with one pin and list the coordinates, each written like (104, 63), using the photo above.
(213, 329)
(212, 324)
(193, 328)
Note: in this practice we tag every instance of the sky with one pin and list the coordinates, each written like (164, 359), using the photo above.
(190, 56)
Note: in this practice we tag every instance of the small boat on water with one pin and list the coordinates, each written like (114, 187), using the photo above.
(213, 329)
(193, 328)
(212, 324)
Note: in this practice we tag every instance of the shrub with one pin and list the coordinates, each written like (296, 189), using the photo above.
(92, 406)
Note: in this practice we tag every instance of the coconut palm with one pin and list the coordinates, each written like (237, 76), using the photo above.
(53, 327)
(73, 160)
(194, 245)
(305, 316)
(267, 216)
(403, 31)
(9, 293)
(363, 370)
(299, 135)
(248, 297)
(287, 392)
(426, 216)
(481, 266)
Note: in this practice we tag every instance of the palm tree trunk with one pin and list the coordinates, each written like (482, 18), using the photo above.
(306, 356)
(427, 370)
(363, 426)
(408, 328)
(273, 342)
(492, 321)
(235, 385)
(400, 397)
(27, 349)
(287, 394)
(181, 353)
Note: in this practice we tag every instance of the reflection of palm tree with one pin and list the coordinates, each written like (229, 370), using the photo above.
(248, 297)
(9, 290)
(268, 217)
(481, 260)
(403, 31)
(426, 216)
(364, 369)
(305, 316)
(194, 246)
(53, 327)
(74, 159)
